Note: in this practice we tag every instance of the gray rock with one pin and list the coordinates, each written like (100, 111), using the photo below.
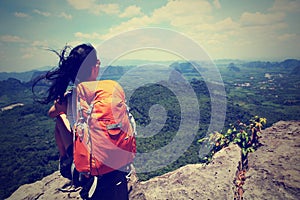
(273, 174)
(274, 171)
(195, 181)
(45, 189)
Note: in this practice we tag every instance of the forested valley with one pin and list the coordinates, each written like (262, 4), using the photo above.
(266, 89)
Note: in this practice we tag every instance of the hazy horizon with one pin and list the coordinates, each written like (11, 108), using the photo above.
(145, 62)
(248, 30)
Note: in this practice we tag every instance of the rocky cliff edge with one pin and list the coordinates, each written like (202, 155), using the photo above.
(274, 173)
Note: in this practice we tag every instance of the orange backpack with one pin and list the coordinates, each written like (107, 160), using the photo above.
(104, 137)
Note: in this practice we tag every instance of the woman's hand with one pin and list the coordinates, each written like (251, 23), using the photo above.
(58, 108)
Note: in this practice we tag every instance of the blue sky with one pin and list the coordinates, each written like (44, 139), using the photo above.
(225, 29)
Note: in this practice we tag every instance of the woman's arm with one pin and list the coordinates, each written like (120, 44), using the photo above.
(57, 109)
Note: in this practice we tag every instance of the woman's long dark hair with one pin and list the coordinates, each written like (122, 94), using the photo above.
(75, 67)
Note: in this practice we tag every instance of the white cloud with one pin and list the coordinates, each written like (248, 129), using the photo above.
(131, 11)
(183, 12)
(21, 14)
(180, 14)
(28, 52)
(286, 6)
(94, 7)
(287, 37)
(41, 44)
(65, 15)
(92, 36)
(12, 38)
(254, 33)
(45, 14)
(132, 24)
(82, 5)
(48, 14)
(106, 8)
(27, 56)
(252, 19)
(222, 26)
(226, 25)
(217, 4)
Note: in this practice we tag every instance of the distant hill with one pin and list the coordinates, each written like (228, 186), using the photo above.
(296, 70)
(36, 74)
(113, 72)
(187, 67)
(233, 68)
(13, 91)
(289, 64)
(109, 72)
(22, 76)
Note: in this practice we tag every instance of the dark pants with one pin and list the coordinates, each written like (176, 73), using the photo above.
(110, 186)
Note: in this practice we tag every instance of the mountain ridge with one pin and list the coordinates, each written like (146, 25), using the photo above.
(26, 76)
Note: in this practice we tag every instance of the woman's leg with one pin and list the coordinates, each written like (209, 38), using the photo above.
(112, 186)
(63, 136)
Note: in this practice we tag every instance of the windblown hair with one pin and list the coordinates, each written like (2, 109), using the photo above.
(75, 68)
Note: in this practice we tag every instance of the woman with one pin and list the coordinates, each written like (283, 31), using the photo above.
(81, 64)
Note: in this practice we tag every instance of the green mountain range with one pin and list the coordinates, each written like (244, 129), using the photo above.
(28, 149)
